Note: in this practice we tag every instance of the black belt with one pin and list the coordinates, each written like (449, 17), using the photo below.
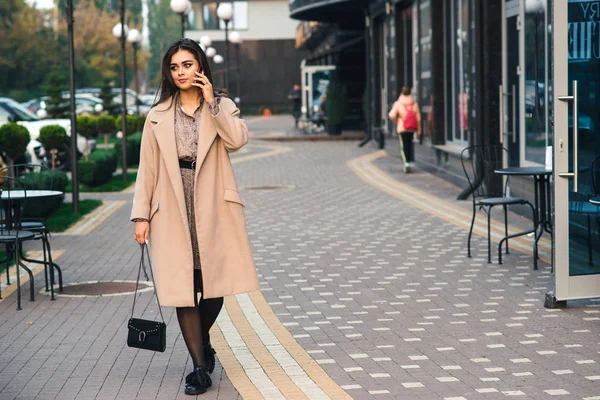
(187, 164)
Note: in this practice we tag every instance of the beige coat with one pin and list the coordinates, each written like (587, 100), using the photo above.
(227, 263)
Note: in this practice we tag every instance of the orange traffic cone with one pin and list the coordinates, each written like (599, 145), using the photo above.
(267, 113)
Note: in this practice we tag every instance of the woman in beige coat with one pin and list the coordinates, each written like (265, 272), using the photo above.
(187, 202)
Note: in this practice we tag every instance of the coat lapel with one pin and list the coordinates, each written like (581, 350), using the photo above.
(208, 132)
(164, 131)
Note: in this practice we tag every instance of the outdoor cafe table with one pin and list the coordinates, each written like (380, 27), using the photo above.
(22, 195)
(542, 198)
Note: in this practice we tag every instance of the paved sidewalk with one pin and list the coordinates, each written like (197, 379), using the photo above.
(376, 292)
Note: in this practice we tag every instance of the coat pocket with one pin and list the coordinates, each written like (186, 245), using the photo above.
(233, 196)
(153, 210)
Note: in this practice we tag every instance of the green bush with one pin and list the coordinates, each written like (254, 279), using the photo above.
(106, 124)
(53, 137)
(134, 143)
(46, 180)
(87, 126)
(131, 123)
(13, 140)
(98, 169)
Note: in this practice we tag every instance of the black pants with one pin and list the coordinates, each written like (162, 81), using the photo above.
(407, 147)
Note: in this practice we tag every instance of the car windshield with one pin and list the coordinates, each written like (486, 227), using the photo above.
(21, 112)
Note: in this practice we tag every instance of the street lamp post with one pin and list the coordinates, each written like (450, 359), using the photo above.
(237, 40)
(225, 13)
(183, 8)
(218, 59)
(134, 37)
(120, 31)
(74, 169)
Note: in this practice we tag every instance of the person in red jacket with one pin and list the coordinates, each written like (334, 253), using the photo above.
(406, 114)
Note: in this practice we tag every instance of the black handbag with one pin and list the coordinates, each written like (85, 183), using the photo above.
(146, 334)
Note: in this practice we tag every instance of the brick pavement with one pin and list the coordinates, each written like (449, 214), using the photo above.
(377, 291)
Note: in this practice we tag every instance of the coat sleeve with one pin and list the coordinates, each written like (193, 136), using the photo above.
(146, 176)
(393, 114)
(230, 127)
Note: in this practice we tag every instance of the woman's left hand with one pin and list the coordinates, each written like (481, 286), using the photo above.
(202, 82)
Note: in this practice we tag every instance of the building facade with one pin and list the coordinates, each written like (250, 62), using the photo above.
(268, 39)
(521, 73)
(467, 62)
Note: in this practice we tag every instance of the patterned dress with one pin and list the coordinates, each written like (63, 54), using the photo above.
(186, 138)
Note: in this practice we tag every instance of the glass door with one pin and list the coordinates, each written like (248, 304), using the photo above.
(511, 89)
(576, 148)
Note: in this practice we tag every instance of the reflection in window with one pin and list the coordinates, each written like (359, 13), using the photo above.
(461, 67)
(424, 93)
(204, 16)
(536, 128)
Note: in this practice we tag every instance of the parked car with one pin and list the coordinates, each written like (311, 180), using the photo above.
(132, 98)
(11, 111)
(84, 104)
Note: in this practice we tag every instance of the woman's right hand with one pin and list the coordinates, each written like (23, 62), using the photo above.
(142, 229)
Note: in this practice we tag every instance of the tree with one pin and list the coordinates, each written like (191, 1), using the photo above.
(87, 126)
(53, 137)
(27, 48)
(107, 97)
(13, 140)
(106, 126)
(57, 106)
(164, 26)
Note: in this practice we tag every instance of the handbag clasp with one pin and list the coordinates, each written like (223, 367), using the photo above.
(142, 336)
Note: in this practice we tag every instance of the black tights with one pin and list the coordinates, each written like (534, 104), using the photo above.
(195, 322)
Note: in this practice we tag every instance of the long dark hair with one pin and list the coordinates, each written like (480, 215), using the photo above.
(167, 88)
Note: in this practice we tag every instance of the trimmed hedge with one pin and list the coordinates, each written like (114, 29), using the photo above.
(131, 124)
(134, 144)
(14, 139)
(46, 180)
(106, 124)
(87, 126)
(98, 169)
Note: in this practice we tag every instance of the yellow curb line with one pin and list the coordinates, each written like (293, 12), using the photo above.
(280, 379)
(304, 360)
(92, 220)
(433, 205)
(35, 255)
(232, 367)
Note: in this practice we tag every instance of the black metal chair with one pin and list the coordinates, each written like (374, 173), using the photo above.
(487, 190)
(12, 236)
(35, 215)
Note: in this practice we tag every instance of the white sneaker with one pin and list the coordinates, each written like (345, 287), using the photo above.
(407, 167)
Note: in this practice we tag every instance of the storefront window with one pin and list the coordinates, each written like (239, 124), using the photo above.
(536, 81)
(204, 16)
(461, 67)
(425, 60)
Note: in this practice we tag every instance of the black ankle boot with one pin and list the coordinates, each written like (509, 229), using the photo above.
(209, 362)
(209, 358)
(199, 382)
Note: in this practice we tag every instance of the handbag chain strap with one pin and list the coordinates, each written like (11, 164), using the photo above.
(143, 267)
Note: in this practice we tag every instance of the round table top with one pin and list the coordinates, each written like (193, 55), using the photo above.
(595, 201)
(30, 194)
(524, 171)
